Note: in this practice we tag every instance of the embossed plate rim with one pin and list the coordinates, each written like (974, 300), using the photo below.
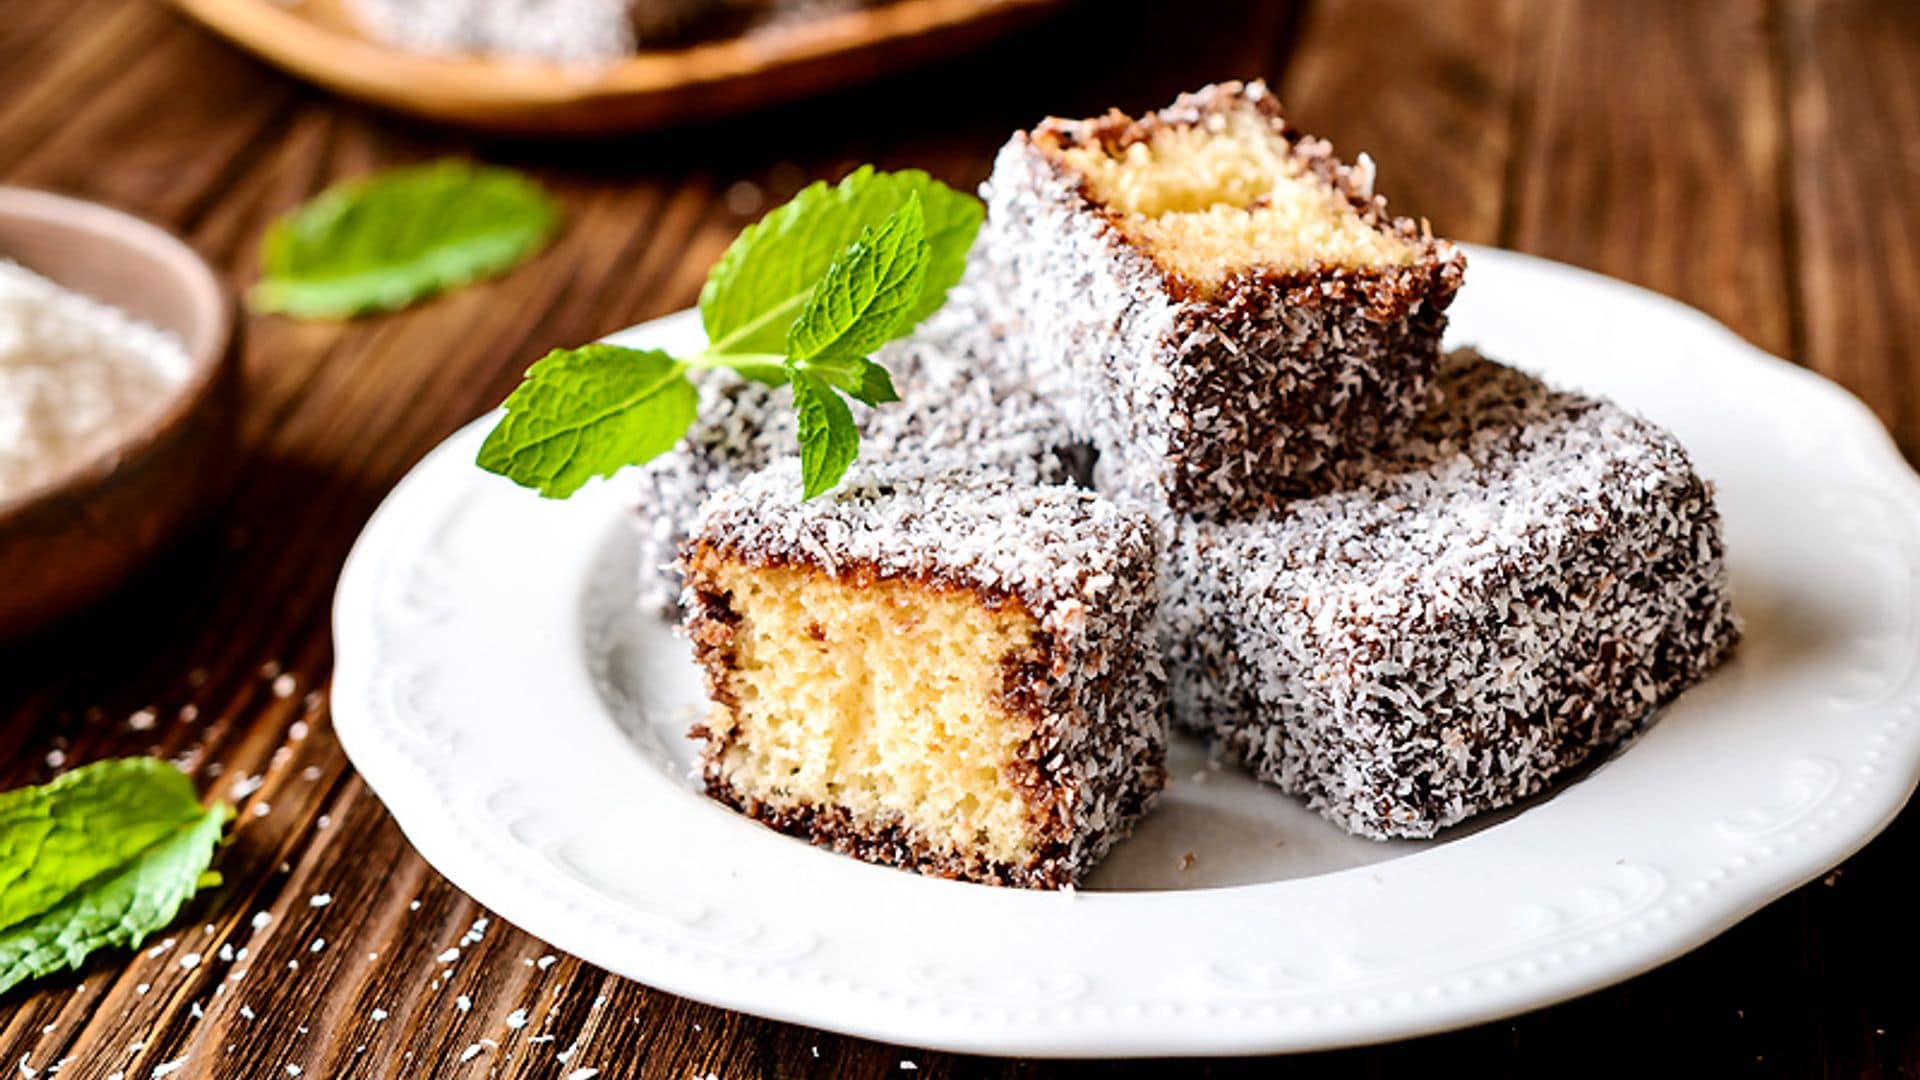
(462, 696)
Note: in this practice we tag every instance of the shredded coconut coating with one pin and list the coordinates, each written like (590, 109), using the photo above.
(964, 403)
(1517, 586)
(1082, 567)
(564, 31)
(1211, 402)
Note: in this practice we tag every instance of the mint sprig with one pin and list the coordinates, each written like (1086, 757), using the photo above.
(99, 858)
(802, 297)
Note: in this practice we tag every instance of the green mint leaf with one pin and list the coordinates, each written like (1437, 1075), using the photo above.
(856, 376)
(386, 241)
(589, 412)
(63, 916)
(865, 294)
(876, 386)
(760, 284)
(54, 838)
(828, 439)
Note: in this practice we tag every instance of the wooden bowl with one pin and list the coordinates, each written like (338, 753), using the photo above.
(76, 537)
(318, 41)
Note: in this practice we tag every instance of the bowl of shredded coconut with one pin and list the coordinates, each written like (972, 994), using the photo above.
(117, 397)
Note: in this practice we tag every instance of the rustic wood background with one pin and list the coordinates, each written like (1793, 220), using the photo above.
(1757, 158)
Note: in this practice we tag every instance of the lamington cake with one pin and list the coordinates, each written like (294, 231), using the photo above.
(965, 402)
(954, 673)
(1514, 588)
(1230, 308)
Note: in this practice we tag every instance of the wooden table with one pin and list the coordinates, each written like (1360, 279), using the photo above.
(1757, 158)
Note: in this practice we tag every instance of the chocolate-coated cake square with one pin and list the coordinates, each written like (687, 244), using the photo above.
(1512, 590)
(953, 673)
(1226, 309)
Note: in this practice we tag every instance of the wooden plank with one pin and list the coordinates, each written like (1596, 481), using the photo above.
(1500, 120)
(1433, 99)
(1854, 109)
(1650, 151)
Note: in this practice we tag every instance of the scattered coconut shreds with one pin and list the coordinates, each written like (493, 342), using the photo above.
(56, 758)
(169, 1068)
(246, 1013)
(323, 821)
(142, 720)
(517, 1019)
(261, 809)
(449, 956)
(563, 1056)
(284, 686)
(226, 954)
(194, 1010)
(318, 944)
(293, 1070)
(583, 1074)
(908, 1066)
(142, 989)
(297, 730)
(246, 785)
(160, 948)
(546, 962)
(261, 919)
(27, 1070)
(378, 1015)
(313, 700)
(463, 1003)
(270, 669)
(189, 713)
(311, 772)
(190, 960)
(413, 905)
(319, 899)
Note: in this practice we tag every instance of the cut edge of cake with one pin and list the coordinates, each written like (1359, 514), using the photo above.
(891, 683)
(1211, 189)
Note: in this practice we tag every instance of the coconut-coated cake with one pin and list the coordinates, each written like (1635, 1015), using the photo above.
(1231, 307)
(952, 673)
(1513, 589)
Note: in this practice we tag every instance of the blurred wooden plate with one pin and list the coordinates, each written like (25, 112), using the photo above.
(319, 41)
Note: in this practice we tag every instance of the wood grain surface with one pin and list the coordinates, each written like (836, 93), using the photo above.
(1758, 158)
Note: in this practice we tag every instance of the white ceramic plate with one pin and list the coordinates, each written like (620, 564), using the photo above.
(527, 729)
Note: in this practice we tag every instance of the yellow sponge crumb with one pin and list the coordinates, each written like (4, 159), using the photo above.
(881, 698)
(1228, 195)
